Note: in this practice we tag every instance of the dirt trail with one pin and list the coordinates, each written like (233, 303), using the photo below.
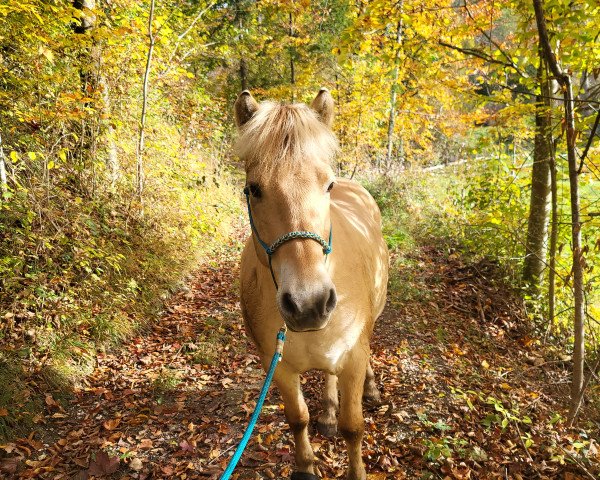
(467, 392)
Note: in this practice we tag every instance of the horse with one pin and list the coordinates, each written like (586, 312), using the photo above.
(327, 293)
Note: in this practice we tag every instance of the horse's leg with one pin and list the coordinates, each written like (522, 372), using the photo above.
(296, 413)
(327, 422)
(371, 395)
(351, 422)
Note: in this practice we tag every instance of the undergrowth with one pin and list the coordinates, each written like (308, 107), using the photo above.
(416, 209)
(78, 277)
(480, 218)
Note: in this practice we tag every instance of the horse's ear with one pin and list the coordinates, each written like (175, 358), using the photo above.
(323, 105)
(245, 106)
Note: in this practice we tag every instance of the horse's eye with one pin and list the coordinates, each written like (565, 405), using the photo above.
(254, 190)
(330, 187)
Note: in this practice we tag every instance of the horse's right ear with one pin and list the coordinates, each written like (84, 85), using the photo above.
(323, 105)
(245, 106)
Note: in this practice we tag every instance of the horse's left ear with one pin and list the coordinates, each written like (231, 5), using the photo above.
(245, 106)
(323, 105)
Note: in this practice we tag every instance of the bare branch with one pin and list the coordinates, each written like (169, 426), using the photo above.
(589, 143)
(476, 53)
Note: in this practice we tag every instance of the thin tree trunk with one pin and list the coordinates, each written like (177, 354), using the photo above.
(579, 333)
(553, 244)
(579, 325)
(98, 81)
(537, 225)
(141, 138)
(3, 181)
(243, 74)
(554, 220)
(88, 84)
(292, 66)
(393, 93)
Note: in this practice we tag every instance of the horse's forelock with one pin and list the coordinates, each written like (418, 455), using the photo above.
(283, 137)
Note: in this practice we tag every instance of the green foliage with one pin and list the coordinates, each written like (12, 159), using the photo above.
(84, 262)
(414, 206)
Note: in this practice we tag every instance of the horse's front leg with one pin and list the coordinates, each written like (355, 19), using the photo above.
(327, 422)
(351, 422)
(296, 413)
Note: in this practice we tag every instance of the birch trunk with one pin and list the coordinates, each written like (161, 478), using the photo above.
(141, 137)
(393, 94)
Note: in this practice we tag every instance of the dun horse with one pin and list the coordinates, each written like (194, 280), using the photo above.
(326, 280)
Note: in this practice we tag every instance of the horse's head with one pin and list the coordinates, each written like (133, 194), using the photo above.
(287, 151)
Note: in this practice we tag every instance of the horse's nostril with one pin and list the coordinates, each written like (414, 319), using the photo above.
(288, 305)
(331, 301)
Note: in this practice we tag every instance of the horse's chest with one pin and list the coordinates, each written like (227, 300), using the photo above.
(322, 350)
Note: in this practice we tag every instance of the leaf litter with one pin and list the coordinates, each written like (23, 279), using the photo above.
(468, 393)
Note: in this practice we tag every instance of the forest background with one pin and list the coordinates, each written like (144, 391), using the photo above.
(117, 178)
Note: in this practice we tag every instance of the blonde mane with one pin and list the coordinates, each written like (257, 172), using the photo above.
(284, 137)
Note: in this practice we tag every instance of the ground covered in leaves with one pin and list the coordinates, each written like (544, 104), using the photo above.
(468, 392)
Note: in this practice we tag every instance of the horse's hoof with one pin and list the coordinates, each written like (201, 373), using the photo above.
(304, 476)
(372, 399)
(328, 430)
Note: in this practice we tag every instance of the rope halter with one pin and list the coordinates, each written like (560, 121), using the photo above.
(270, 249)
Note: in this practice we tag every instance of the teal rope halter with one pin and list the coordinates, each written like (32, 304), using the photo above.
(270, 249)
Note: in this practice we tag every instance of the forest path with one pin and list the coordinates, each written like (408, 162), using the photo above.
(462, 386)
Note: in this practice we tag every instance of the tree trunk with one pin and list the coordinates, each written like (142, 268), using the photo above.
(393, 93)
(96, 80)
(551, 88)
(579, 324)
(243, 74)
(88, 19)
(564, 80)
(3, 180)
(87, 22)
(537, 226)
(553, 244)
(292, 66)
(112, 158)
(88, 84)
(141, 137)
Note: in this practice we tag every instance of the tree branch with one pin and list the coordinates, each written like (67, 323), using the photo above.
(545, 41)
(510, 63)
(187, 30)
(589, 142)
(475, 53)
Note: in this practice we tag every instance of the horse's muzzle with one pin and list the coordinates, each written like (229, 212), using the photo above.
(305, 311)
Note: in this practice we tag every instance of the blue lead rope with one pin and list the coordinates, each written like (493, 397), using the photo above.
(263, 393)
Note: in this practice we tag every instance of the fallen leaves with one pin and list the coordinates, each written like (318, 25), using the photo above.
(111, 424)
(167, 406)
(136, 464)
(9, 465)
(103, 464)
